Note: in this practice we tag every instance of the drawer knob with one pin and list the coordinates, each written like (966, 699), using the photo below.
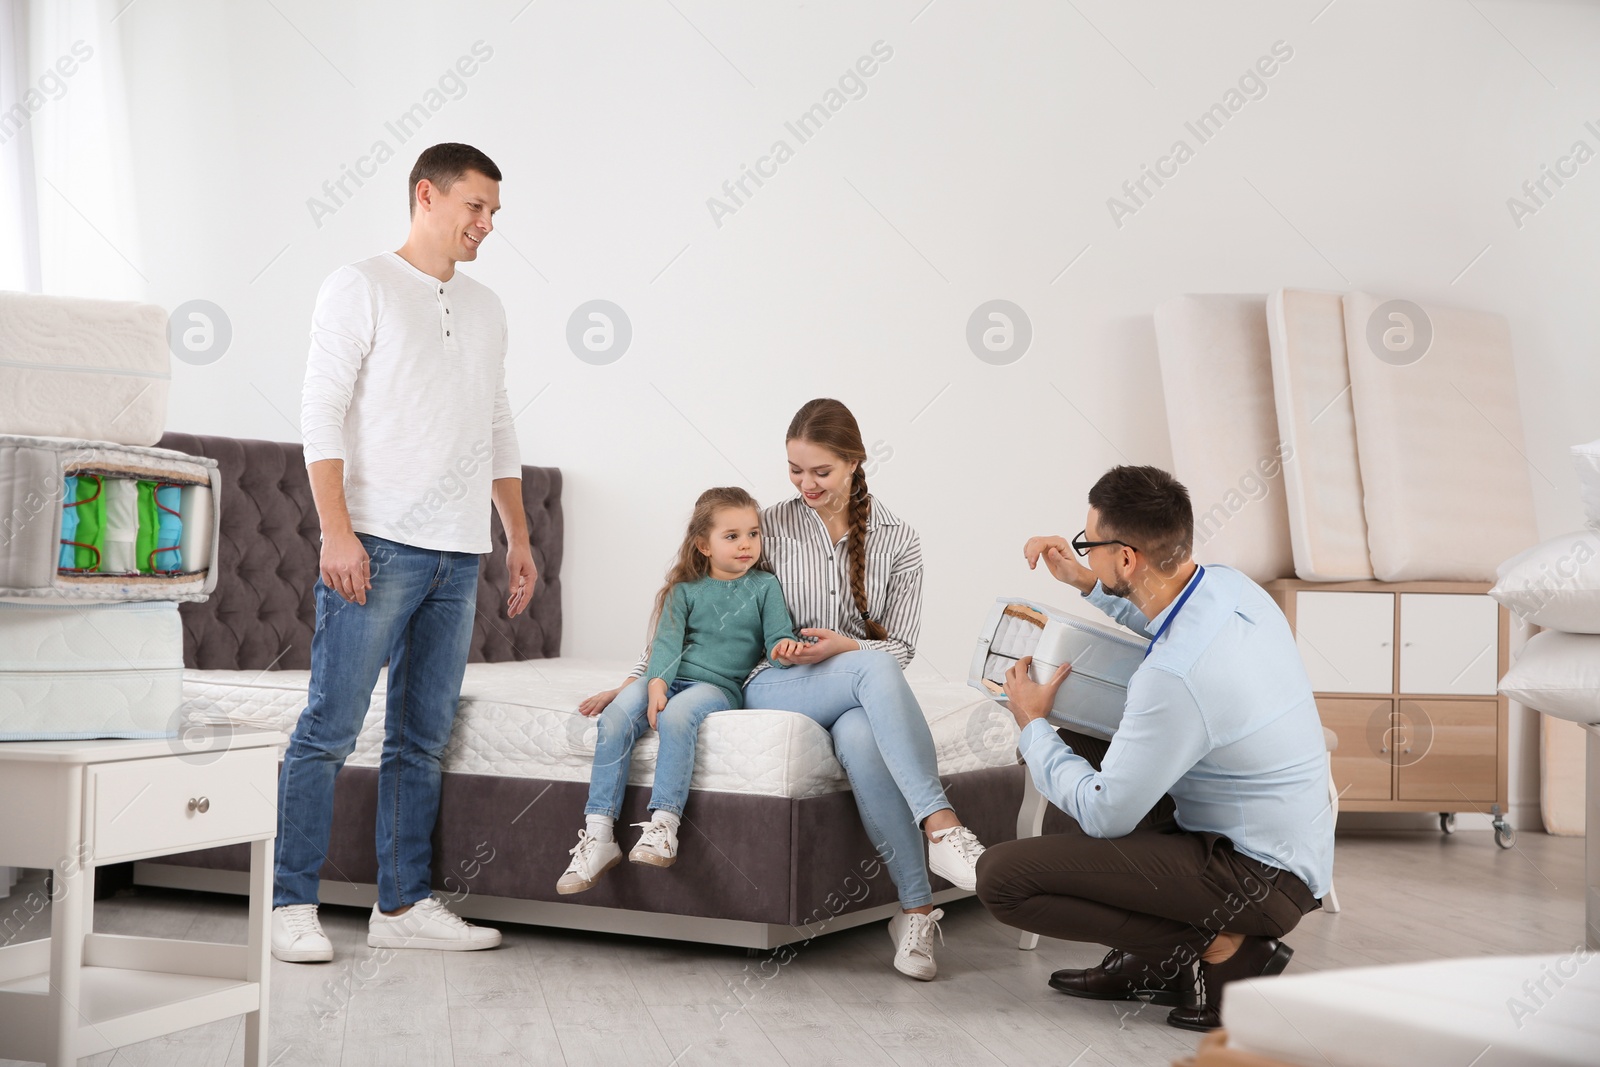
(200, 804)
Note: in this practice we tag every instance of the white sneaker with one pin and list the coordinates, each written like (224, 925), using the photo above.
(591, 858)
(658, 845)
(954, 857)
(912, 934)
(297, 936)
(428, 924)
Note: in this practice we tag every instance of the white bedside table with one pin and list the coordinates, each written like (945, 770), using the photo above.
(72, 805)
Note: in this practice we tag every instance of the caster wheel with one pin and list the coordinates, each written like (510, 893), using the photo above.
(1504, 835)
(1447, 822)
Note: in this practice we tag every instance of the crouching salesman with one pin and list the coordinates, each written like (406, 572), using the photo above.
(408, 436)
(1201, 833)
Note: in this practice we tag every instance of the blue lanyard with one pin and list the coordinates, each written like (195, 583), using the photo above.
(1200, 572)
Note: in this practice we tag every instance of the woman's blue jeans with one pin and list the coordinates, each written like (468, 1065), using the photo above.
(622, 724)
(882, 739)
(418, 617)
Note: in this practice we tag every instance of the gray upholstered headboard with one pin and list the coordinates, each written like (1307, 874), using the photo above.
(263, 611)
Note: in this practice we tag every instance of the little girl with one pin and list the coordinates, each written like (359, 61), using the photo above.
(715, 618)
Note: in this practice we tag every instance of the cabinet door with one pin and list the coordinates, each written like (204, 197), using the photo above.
(1449, 643)
(1347, 641)
(1447, 750)
(1361, 766)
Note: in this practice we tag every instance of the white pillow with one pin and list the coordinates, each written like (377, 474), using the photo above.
(1558, 674)
(1587, 459)
(1555, 585)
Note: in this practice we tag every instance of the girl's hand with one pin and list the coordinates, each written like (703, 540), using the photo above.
(594, 705)
(828, 643)
(658, 700)
(785, 651)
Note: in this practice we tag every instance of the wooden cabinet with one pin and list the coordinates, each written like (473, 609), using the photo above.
(1405, 675)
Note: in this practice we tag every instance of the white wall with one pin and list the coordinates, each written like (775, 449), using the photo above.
(976, 166)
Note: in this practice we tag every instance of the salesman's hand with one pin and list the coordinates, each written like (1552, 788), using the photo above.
(1058, 556)
(519, 562)
(1028, 699)
(345, 567)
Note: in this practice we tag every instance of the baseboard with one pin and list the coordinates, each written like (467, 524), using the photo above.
(733, 932)
(1523, 817)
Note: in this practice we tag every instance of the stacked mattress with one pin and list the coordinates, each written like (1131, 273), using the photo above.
(1344, 436)
(100, 535)
(1556, 585)
(520, 720)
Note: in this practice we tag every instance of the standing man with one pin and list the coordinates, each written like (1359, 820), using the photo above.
(1202, 831)
(408, 435)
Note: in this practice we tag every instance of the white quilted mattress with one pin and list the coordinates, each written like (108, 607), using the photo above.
(521, 720)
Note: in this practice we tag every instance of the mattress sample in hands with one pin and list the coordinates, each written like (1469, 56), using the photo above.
(1103, 659)
(91, 520)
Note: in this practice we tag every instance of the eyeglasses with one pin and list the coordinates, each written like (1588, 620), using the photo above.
(1082, 546)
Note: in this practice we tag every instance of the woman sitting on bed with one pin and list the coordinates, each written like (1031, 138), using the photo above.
(851, 574)
(715, 618)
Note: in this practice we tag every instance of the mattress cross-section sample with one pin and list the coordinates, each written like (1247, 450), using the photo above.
(1444, 477)
(1321, 469)
(95, 521)
(1103, 660)
(1216, 371)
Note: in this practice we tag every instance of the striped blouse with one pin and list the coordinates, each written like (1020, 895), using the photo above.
(815, 575)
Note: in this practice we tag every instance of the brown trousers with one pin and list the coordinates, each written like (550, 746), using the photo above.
(1161, 892)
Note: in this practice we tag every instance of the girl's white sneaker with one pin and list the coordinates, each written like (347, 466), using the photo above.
(912, 934)
(658, 845)
(428, 924)
(591, 858)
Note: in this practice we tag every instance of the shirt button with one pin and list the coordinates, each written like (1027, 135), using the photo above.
(830, 592)
(447, 333)
(447, 311)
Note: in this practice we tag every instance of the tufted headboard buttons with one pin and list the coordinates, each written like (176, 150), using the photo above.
(263, 612)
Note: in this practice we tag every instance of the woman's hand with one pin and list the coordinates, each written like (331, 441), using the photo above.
(594, 705)
(1058, 557)
(658, 700)
(828, 643)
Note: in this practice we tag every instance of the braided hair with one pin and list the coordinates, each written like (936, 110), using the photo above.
(829, 424)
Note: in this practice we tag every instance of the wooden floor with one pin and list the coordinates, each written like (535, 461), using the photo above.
(554, 997)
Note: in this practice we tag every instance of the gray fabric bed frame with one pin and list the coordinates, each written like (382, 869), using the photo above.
(755, 871)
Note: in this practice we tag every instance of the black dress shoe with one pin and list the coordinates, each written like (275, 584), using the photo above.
(1121, 976)
(1256, 957)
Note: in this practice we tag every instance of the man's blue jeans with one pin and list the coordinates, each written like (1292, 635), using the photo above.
(418, 616)
(624, 722)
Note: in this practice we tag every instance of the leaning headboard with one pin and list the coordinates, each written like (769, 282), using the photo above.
(263, 611)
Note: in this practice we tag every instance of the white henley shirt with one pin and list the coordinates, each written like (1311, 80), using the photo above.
(406, 384)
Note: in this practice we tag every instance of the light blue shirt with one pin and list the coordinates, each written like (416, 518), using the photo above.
(1220, 715)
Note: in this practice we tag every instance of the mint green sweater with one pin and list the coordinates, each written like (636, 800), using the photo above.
(716, 631)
